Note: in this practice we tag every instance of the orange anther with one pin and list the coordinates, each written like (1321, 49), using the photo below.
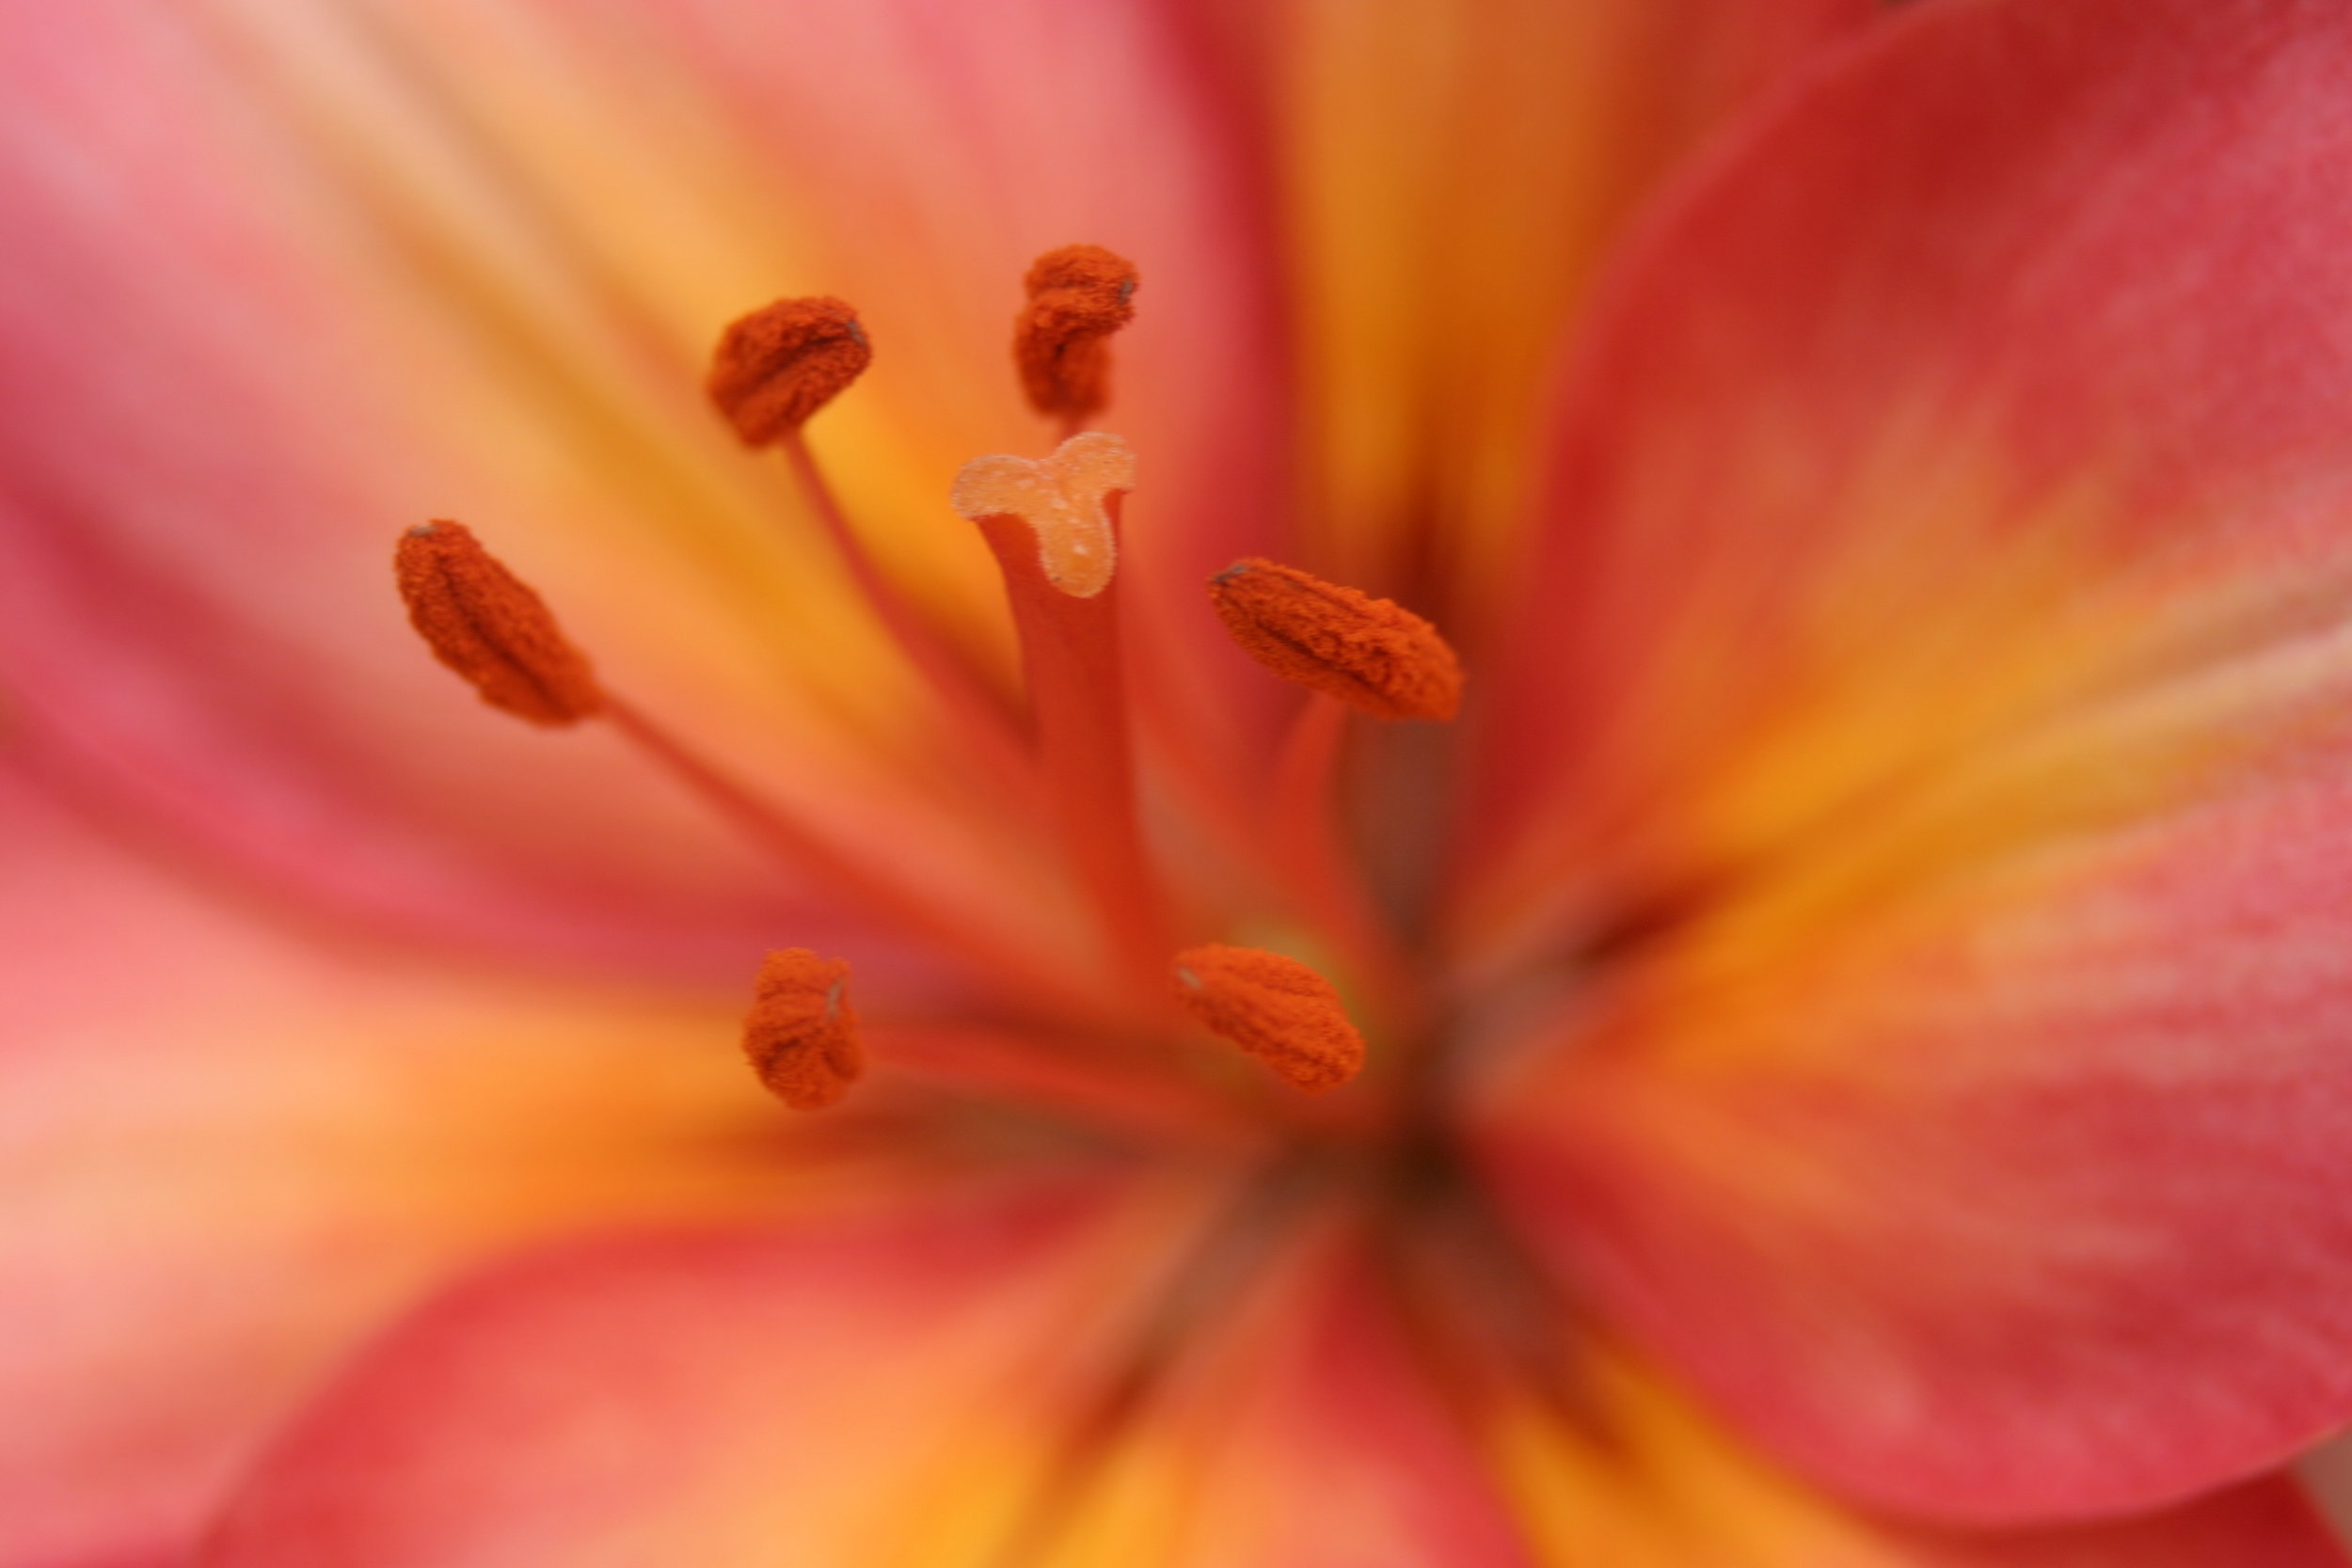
(1063, 497)
(1372, 653)
(779, 365)
(485, 623)
(802, 1035)
(1275, 1008)
(1078, 296)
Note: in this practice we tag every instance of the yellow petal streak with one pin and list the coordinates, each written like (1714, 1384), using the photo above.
(1667, 1490)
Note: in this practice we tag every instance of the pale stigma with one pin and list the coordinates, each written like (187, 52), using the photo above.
(1064, 498)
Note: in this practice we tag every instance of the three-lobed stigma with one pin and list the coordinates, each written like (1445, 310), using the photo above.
(1064, 497)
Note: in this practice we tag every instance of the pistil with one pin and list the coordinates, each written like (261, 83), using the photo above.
(1052, 525)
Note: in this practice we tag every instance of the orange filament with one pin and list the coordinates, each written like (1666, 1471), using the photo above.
(1064, 498)
(909, 905)
(1275, 1008)
(983, 720)
(777, 367)
(1302, 835)
(485, 623)
(1373, 655)
(802, 1035)
(496, 632)
(1078, 296)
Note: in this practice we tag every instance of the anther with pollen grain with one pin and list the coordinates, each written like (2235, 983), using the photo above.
(1373, 655)
(492, 629)
(778, 366)
(1275, 1008)
(1079, 295)
(485, 623)
(802, 1035)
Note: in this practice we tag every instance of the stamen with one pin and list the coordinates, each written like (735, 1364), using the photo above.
(492, 629)
(802, 1035)
(1065, 499)
(1301, 836)
(1052, 525)
(995, 960)
(1275, 1008)
(1079, 295)
(782, 363)
(1373, 655)
(485, 623)
(766, 386)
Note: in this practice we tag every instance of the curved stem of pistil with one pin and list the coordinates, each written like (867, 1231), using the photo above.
(1070, 655)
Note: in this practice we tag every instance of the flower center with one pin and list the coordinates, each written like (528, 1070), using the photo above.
(1052, 524)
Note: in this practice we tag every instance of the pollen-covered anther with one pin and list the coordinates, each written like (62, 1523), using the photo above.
(1064, 498)
(802, 1035)
(1079, 295)
(1372, 653)
(778, 366)
(1275, 1008)
(485, 623)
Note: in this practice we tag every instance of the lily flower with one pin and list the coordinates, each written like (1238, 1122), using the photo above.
(1478, 784)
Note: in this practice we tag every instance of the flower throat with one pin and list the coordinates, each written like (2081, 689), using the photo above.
(1054, 526)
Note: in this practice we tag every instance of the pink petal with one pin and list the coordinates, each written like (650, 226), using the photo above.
(291, 277)
(956, 1382)
(897, 1387)
(226, 1154)
(1629, 1475)
(1947, 575)
(1915, 418)
(1448, 175)
(2022, 1200)
(1297, 1422)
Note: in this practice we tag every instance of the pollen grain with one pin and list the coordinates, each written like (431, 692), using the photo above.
(1372, 653)
(802, 1035)
(1079, 296)
(777, 367)
(485, 623)
(1275, 1008)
